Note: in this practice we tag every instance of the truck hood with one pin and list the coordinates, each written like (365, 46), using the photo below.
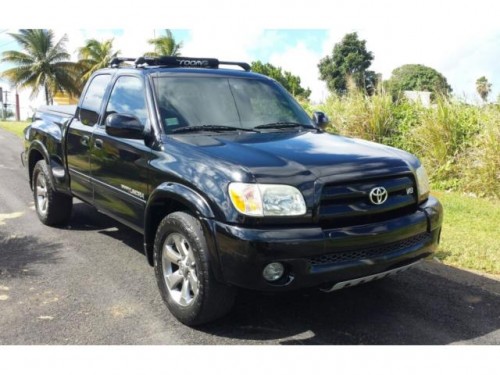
(271, 155)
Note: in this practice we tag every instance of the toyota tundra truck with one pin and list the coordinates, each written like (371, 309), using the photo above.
(230, 182)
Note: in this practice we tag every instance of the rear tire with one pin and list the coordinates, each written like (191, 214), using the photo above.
(183, 273)
(53, 208)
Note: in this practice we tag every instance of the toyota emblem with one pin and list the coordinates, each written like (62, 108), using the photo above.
(378, 195)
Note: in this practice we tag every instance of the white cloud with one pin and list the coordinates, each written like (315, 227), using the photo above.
(222, 43)
(302, 61)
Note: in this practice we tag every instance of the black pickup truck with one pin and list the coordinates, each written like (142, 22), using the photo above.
(230, 182)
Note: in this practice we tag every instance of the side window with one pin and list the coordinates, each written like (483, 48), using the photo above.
(91, 103)
(128, 98)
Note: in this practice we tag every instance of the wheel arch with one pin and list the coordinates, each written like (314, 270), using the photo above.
(171, 197)
(36, 153)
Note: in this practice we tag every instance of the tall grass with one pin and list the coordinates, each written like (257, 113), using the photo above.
(481, 161)
(458, 143)
(360, 116)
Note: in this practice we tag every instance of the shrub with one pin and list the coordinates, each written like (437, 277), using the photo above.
(360, 116)
(458, 143)
(443, 133)
(480, 173)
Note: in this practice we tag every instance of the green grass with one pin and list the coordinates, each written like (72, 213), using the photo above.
(470, 237)
(14, 127)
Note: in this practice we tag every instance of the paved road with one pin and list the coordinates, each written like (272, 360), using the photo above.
(89, 283)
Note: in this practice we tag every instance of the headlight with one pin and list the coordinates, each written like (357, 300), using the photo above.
(266, 200)
(422, 183)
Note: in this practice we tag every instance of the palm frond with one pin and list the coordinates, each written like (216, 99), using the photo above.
(42, 64)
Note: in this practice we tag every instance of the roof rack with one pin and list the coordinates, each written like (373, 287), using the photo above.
(176, 62)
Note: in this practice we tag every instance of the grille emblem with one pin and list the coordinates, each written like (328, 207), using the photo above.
(378, 195)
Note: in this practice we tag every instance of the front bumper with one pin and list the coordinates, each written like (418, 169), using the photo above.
(317, 257)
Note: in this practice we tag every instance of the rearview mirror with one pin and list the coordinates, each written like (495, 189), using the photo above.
(320, 119)
(124, 126)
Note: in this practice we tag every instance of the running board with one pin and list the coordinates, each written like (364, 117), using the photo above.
(366, 279)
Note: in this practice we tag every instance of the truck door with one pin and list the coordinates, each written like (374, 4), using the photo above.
(80, 134)
(120, 165)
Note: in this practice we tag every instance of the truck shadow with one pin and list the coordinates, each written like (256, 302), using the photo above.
(414, 308)
(19, 255)
(87, 218)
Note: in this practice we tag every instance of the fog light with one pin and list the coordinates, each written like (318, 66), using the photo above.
(273, 271)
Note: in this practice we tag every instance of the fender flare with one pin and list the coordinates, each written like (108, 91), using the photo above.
(57, 172)
(182, 194)
(36, 145)
(176, 193)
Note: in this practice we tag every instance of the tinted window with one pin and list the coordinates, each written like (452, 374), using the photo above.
(191, 101)
(128, 98)
(89, 111)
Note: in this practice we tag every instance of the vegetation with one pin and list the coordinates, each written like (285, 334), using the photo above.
(458, 143)
(348, 66)
(14, 127)
(470, 237)
(415, 77)
(483, 88)
(42, 64)
(93, 56)
(165, 45)
(287, 79)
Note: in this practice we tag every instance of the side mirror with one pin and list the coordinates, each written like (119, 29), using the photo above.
(320, 119)
(124, 126)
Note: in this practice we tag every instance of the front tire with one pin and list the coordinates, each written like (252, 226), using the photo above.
(183, 273)
(53, 208)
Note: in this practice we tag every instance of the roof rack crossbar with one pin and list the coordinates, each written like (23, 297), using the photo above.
(173, 61)
(115, 63)
(242, 65)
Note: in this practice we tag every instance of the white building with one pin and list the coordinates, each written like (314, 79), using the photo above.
(424, 97)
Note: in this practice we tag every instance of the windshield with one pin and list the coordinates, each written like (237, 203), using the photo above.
(231, 102)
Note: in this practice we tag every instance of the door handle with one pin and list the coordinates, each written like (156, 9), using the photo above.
(98, 143)
(85, 140)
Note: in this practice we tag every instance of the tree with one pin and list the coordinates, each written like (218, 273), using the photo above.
(42, 64)
(290, 82)
(349, 62)
(416, 77)
(483, 88)
(95, 55)
(165, 45)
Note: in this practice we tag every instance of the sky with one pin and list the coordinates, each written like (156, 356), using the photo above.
(461, 40)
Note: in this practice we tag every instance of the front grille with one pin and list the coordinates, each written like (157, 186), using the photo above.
(345, 204)
(370, 252)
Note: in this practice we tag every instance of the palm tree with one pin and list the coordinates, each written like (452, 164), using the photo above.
(95, 55)
(165, 45)
(483, 88)
(42, 64)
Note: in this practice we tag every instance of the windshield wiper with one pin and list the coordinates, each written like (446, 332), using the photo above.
(216, 128)
(285, 125)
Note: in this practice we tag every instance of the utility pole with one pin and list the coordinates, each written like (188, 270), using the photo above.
(18, 115)
(1, 101)
(6, 93)
(4, 99)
